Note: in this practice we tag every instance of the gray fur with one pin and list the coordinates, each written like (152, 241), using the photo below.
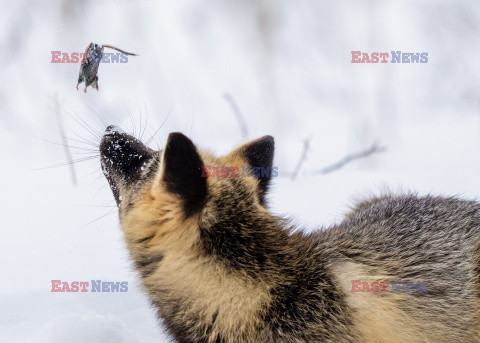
(429, 239)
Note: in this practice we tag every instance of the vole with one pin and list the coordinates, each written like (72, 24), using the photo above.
(91, 62)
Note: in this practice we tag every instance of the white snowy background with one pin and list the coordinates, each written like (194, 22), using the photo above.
(287, 66)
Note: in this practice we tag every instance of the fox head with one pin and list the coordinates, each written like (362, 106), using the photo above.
(166, 204)
(132, 169)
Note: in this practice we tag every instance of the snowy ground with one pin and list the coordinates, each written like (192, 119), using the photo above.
(286, 64)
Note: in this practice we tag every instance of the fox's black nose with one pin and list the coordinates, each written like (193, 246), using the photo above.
(113, 129)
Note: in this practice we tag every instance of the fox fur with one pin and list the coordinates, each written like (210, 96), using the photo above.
(219, 267)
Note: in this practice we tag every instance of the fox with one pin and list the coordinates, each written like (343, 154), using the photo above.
(219, 266)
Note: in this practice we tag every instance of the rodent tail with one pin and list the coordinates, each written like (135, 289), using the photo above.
(115, 48)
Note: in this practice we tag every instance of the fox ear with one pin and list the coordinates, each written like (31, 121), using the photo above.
(259, 153)
(182, 170)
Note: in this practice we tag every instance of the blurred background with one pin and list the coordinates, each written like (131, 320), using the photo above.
(221, 71)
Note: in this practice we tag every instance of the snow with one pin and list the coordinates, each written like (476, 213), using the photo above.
(290, 77)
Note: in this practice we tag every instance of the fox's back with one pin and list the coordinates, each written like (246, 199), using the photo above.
(431, 241)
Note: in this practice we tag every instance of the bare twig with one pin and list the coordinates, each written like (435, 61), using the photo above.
(63, 135)
(375, 148)
(238, 115)
(303, 156)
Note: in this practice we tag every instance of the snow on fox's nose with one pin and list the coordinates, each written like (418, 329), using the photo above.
(113, 129)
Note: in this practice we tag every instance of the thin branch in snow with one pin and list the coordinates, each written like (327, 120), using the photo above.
(303, 156)
(375, 148)
(63, 135)
(238, 115)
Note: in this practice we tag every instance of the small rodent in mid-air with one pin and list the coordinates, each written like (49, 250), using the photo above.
(91, 62)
